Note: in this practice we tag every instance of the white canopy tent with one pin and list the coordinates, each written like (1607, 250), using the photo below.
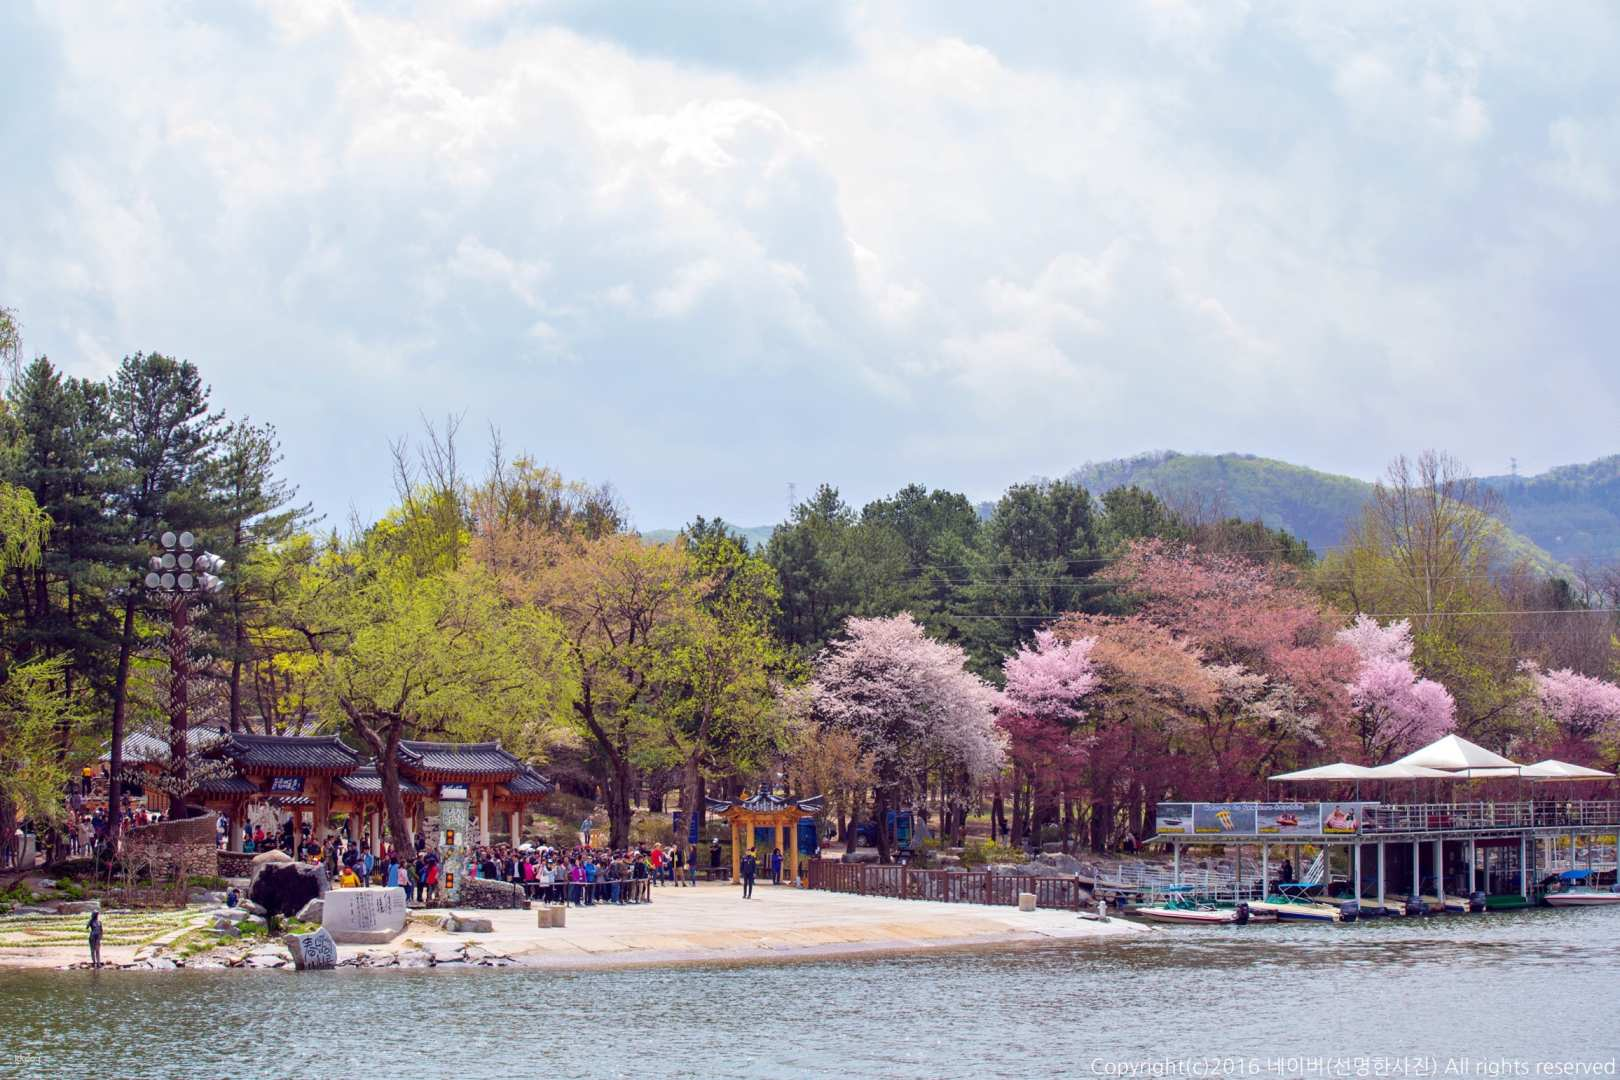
(1552, 769)
(1342, 770)
(1453, 752)
(1398, 771)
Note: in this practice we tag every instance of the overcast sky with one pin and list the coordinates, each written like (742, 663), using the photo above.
(707, 254)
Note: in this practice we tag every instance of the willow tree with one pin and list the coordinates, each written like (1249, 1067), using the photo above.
(399, 653)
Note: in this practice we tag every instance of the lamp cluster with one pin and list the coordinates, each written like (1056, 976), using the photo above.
(181, 570)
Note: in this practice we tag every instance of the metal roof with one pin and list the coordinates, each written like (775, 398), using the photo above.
(291, 753)
(485, 759)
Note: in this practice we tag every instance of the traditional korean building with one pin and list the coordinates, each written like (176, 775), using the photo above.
(316, 777)
(496, 784)
(765, 809)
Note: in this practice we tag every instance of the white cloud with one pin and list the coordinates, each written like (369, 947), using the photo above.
(829, 231)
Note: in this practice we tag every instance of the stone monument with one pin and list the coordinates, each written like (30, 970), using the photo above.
(370, 916)
(315, 951)
(453, 822)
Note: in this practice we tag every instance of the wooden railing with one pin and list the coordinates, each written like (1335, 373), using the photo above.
(946, 886)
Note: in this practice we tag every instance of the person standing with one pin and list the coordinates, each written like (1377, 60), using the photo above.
(691, 866)
(714, 853)
(776, 866)
(750, 868)
(94, 926)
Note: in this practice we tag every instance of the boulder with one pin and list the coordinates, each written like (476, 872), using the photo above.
(311, 912)
(315, 951)
(33, 909)
(229, 914)
(1062, 863)
(284, 888)
(487, 895)
(79, 907)
(415, 958)
(472, 924)
(266, 858)
(226, 929)
(369, 916)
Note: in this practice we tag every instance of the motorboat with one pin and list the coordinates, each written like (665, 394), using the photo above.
(1293, 903)
(1574, 891)
(1181, 905)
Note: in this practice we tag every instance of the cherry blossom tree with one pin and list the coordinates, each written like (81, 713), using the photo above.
(1041, 711)
(911, 705)
(1395, 709)
(1585, 710)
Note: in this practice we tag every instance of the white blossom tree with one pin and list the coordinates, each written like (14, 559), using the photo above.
(910, 703)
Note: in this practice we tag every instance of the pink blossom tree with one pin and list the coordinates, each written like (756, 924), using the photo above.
(1042, 708)
(911, 704)
(1395, 710)
(1586, 711)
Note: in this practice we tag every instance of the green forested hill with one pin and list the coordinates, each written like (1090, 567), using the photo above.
(1313, 505)
(1566, 515)
(1562, 516)
(1572, 511)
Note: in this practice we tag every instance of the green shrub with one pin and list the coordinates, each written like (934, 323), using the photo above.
(212, 883)
(984, 852)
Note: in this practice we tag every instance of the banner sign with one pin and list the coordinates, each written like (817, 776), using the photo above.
(452, 791)
(286, 785)
(1289, 818)
(1340, 818)
(1173, 818)
(1223, 818)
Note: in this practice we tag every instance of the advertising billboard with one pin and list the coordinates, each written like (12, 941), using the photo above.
(1218, 818)
(1173, 818)
(1288, 818)
(1341, 818)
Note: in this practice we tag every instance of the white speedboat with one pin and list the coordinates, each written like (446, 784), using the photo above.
(1582, 896)
(1574, 892)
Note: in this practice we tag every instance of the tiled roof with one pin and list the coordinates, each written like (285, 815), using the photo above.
(291, 753)
(485, 759)
(767, 801)
(140, 746)
(367, 781)
(529, 782)
(225, 786)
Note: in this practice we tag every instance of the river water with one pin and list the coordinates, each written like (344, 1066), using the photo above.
(1499, 994)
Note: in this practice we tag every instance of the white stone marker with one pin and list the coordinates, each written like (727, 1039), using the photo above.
(369, 916)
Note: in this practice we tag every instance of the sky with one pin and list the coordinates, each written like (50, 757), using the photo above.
(707, 250)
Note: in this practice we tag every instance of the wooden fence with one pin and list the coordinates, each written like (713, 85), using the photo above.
(948, 886)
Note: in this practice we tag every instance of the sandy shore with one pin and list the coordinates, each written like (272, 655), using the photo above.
(707, 924)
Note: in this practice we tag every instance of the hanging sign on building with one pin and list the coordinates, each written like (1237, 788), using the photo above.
(452, 791)
(286, 785)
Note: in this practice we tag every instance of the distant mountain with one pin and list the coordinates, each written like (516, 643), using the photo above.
(1572, 511)
(1561, 516)
(1564, 516)
(756, 535)
(1314, 506)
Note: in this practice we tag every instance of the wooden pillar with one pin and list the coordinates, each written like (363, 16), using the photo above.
(376, 830)
(483, 814)
(736, 851)
(793, 853)
(781, 841)
(323, 808)
(517, 826)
